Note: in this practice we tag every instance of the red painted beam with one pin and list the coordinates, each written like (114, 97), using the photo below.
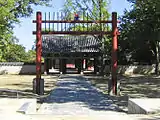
(38, 50)
(114, 52)
(74, 32)
(74, 21)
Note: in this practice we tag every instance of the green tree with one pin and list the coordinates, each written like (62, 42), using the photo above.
(88, 10)
(11, 11)
(31, 56)
(15, 53)
(140, 31)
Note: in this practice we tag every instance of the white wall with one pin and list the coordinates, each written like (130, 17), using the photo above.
(31, 69)
(18, 69)
(133, 69)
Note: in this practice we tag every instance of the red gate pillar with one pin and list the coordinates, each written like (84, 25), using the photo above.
(45, 66)
(38, 50)
(114, 54)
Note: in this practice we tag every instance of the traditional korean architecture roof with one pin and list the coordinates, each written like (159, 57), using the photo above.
(67, 44)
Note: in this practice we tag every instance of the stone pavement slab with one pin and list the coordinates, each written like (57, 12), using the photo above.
(12, 105)
(144, 106)
(108, 116)
(74, 95)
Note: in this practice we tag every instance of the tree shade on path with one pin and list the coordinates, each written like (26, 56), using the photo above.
(74, 95)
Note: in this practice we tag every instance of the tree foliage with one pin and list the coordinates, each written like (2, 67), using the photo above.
(140, 30)
(31, 55)
(96, 9)
(11, 11)
(88, 10)
(15, 53)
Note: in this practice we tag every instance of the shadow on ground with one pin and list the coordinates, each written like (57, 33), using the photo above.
(135, 86)
(77, 89)
(24, 89)
(141, 86)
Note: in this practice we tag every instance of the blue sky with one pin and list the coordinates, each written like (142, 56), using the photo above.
(24, 31)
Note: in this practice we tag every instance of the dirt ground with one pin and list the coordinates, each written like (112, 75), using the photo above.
(21, 85)
(135, 86)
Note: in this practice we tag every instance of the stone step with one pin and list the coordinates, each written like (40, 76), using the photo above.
(144, 106)
(14, 105)
(29, 106)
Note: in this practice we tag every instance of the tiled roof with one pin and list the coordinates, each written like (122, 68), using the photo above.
(63, 44)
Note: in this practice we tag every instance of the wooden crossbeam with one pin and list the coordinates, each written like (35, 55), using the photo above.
(75, 21)
(70, 57)
(75, 32)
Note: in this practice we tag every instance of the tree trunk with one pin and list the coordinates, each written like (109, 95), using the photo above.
(157, 59)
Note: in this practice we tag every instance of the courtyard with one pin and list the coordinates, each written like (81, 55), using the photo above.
(133, 86)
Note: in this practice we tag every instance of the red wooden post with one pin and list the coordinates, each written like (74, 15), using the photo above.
(38, 50)
(45, 66)
(114, 53)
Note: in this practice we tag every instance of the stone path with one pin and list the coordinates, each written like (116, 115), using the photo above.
(74, 95)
